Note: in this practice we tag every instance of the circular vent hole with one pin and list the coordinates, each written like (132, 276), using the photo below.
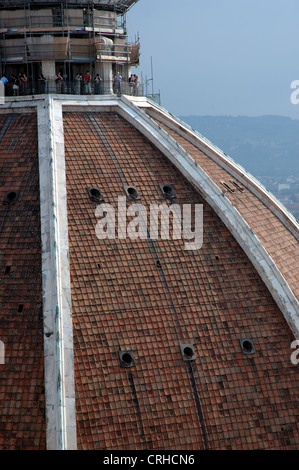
(127, 359)
(247, 346)
(11, 196)
(95, 193)
(132, 192)
(188, 352)
(168, 190)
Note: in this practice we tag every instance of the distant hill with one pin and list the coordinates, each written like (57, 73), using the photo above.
(264, 146)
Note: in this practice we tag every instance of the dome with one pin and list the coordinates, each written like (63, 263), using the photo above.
(118, 341)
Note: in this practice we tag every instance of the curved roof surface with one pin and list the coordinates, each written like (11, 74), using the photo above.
(154, 297)
(22, 397)
(147, 298)
(276, 228)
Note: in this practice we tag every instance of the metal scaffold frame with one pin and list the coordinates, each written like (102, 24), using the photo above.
(115, 5)
(64, 32)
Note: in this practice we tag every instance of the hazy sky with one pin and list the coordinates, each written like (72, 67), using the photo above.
(220, 57)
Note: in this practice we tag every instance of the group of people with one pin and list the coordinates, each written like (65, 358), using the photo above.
(19, 83)
(84, 84)
(134, 84)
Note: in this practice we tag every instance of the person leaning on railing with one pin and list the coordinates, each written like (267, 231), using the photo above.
(59, 81)
(97, 84)
(87, 82)
(25, 83)
(136, 85)
(116, 83)
(15, 85)
(78, 83)
(4, 80)
(131, 83)
(41, 84)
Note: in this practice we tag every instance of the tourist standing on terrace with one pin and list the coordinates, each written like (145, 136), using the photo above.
(116, 83)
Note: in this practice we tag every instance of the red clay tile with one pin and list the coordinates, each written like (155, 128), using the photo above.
(193, 298)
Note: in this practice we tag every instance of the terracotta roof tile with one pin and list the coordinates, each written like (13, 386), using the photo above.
(22, 423)
(123, 300)
(278, 241)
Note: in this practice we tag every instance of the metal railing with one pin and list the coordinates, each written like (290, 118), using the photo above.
(156, 97)
(115, 52)
(73, 87)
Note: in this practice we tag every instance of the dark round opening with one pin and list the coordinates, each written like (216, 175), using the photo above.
(95, 193)
(188, 352)
(168, 190)
(132, 192)
(247, 346)
(127, 359)
(11, 196)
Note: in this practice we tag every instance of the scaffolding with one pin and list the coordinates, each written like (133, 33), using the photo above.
(66, 33)
(116, 5)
